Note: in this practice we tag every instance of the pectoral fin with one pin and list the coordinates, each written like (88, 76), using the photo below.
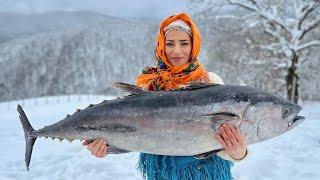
(207, 155)
(217, 119)
(114, 150)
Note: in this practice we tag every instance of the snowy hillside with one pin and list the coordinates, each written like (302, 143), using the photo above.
(293, 155)
(83, 61)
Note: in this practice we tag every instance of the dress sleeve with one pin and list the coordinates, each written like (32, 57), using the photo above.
(213, 78)
(224, 155)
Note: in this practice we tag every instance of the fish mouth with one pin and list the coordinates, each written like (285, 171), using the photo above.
(296, 120)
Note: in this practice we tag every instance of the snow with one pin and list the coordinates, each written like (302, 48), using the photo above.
(293, 155)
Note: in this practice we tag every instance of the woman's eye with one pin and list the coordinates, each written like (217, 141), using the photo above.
(185, 44)
(169, 44)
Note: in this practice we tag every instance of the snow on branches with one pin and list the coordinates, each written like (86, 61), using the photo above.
(287, 22)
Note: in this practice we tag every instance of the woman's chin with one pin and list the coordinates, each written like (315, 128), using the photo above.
(178, 62)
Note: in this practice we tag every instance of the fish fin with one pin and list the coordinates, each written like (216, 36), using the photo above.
(194, 85)
(235, 111)
(222, 114)
(27, 128)
(207, 155)
(112, 149)
(217, 119)
(115, 150)
(132, 89)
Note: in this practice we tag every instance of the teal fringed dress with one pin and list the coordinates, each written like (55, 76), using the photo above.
(156, 167)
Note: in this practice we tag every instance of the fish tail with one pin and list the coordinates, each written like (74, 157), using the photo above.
(30, 140)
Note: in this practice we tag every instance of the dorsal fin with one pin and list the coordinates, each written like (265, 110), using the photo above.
(132, 89)
(194, 85)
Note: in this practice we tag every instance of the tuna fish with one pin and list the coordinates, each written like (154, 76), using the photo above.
(178, 122)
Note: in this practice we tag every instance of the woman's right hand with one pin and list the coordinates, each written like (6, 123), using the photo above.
(98, 147)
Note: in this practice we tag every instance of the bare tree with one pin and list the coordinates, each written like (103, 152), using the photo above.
(290, 25)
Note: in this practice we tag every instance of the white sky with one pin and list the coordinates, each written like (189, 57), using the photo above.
(120, 8)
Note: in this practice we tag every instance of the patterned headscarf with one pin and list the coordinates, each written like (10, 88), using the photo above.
(166, 76)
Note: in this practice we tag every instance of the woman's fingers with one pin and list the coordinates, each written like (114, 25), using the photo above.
(221, 141)
(101, 152)
(231, 135)
(225, 136)
(104, 151)
(239, 137)
(233, 141)
(97, 146)
(91, 145)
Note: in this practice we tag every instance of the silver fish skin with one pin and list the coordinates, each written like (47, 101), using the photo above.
(179, 122)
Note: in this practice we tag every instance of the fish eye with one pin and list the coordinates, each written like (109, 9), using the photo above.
(285, 112)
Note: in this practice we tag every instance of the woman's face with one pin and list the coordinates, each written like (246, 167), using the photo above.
(178, 47)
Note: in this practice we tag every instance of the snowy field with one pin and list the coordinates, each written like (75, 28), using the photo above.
(294, 155)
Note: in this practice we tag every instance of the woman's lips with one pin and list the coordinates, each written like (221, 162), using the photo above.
(177, 58)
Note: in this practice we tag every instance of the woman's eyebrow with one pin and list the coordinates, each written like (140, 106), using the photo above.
(179, 40)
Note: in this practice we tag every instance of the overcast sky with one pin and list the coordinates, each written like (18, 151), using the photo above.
(121, 8)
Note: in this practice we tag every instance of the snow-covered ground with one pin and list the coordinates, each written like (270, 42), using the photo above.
(294, 155)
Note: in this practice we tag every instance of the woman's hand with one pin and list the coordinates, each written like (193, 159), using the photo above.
(98, 147)
(232, 141)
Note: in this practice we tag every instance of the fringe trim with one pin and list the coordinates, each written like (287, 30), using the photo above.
(158, 167)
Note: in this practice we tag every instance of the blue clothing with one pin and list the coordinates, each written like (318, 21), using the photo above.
(158, 167)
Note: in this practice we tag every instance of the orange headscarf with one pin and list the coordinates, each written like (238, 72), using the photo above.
(166, 76)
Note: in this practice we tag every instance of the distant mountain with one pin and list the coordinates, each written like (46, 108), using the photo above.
(13, 25)
(83, 60)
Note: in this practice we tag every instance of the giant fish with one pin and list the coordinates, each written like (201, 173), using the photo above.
(179, 122)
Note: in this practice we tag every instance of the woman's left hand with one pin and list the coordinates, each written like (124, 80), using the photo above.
(232, 141)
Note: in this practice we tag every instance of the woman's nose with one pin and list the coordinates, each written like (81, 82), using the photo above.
(176, 50)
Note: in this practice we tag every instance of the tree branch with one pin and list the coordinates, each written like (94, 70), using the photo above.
(256, 9)
(308, 45)
(308, 9)
(245, 6)
(310, 27)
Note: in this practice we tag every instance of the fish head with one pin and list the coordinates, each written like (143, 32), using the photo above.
(271, 117)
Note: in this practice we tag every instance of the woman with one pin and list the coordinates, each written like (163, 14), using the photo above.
(176, 53)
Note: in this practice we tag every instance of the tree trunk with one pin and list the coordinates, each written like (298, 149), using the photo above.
(293, 79)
